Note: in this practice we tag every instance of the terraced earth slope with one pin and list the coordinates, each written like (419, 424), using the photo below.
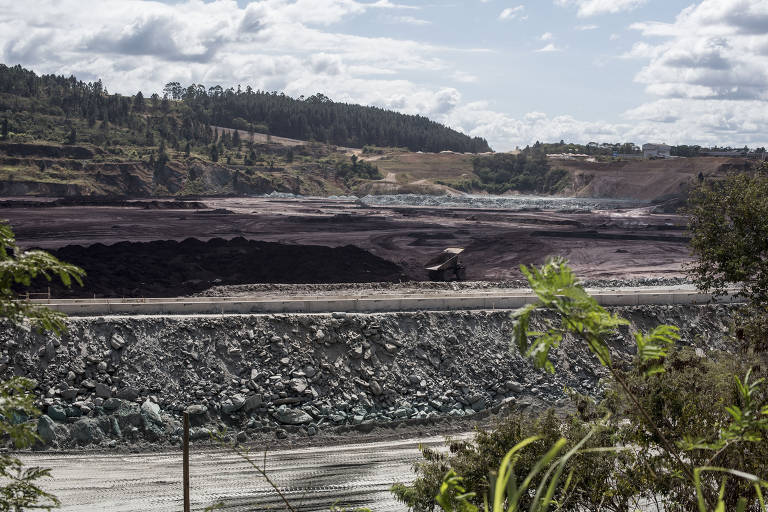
(645, 180)
(46, 169)
(651, 180)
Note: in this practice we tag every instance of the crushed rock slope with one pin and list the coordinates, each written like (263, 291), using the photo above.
(123, 380)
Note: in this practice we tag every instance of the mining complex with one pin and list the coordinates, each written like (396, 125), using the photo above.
(278, 318)
(281, 321)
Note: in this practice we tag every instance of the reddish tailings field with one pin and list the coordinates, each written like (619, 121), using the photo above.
(389, 243)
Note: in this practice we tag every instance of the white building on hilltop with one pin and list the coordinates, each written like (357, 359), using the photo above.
(656, 151)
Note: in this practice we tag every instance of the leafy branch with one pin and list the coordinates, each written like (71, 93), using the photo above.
(507, 493)
(21, 268)
(580, 315)
(19, 491)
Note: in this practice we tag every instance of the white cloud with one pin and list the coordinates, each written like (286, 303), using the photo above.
(464, 77)
(549, 48)
(717, 49)
(510, 13)
(706, 121)
(546, 36)
(387, 4)
(673, 121)
(325, 64)
(134, 44)
(506, 132)
(410, 20)
(282, 45)
(586, 27)
(708, 68)
(587, 8)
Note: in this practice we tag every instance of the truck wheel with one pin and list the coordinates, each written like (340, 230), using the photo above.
(461, 273)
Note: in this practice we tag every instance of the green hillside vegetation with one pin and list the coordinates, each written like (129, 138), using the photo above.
(61, 136)
(185, 114)
(193, 141)
(527, 171)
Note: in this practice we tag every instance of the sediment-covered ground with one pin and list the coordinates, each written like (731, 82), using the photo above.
(125, 381)
(616, 243)
(169, 268)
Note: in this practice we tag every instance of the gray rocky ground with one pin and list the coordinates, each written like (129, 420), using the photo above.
(124, 382)
(424, 287)
(507, 202)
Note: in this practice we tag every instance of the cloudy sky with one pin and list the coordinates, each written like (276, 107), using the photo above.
(512, 71)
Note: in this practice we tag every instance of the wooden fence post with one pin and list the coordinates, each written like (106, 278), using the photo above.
(186, 463)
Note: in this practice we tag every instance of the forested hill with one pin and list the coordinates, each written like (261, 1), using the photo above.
(314, 118)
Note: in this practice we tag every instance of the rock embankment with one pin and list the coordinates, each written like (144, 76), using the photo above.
(418, 287)
(126, 380)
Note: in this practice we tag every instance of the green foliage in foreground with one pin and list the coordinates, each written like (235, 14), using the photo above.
(18, 488)
(590, 476)
(19, 268)
(728, 222)
(675, 432)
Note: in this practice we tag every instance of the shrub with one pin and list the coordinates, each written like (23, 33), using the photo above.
(674, 429)
(18, 487)
(473, 460)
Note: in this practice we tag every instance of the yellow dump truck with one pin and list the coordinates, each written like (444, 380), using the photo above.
(446, 264)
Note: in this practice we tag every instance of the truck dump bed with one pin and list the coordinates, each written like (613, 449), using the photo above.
(445, 259)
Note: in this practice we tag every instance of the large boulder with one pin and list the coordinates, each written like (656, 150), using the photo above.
(198, 415)
(57, 413)
(117, 341)
(129, 414)
(292, 416)
(234, 404)
(46, 429)
(155, 431)
(151, 411)
(87, 431)
(128, 393)
(112, 404)
(298, 384)
(253, 402)
(69, 393)
(102, 390)
(375, 388)
(199, 433)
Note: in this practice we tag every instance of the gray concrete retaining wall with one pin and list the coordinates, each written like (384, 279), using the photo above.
(362, 304)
